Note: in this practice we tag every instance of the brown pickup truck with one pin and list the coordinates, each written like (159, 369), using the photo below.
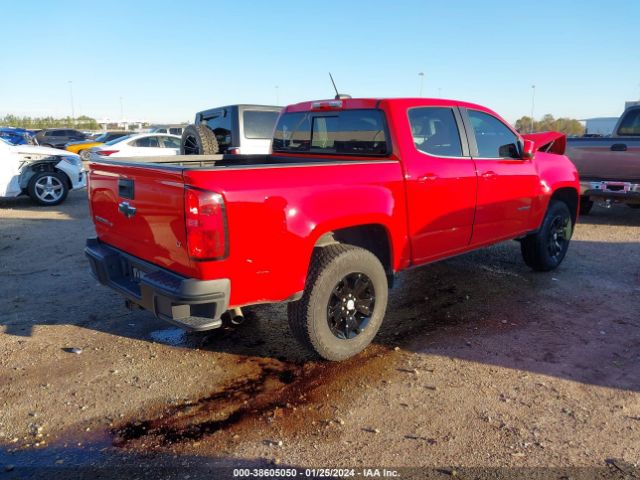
(609, 167)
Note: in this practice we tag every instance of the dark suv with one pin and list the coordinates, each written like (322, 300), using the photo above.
(58, 137)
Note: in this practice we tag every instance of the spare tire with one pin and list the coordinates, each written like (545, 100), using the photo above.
(198, 140)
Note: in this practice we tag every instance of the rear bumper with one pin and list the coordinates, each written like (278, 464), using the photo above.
(619, 190)
(187, 302)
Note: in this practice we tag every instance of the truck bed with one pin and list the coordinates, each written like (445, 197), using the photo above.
(275, 206)
(182, 162)
(606, 158)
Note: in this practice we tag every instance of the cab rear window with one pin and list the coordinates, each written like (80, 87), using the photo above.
(347, 132)
(630, 124)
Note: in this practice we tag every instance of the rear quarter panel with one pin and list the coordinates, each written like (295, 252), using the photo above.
(275, 216)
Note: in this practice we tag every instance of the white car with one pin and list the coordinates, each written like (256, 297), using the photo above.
(140, 145)
(45, 174)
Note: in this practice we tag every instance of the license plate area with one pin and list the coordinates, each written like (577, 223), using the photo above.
(136, 274)
(615, 187)
(131, 276)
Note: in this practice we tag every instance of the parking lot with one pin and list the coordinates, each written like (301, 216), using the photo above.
(479, 363)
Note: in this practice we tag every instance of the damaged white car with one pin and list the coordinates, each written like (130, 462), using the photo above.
(45, 174)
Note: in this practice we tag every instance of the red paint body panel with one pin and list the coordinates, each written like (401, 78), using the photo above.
(276, 215)
(430, 207)
(157, 228)
(449, 183)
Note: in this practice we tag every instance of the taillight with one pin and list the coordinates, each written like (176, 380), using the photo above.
(106, 153)
(234, 151)
(206, 225)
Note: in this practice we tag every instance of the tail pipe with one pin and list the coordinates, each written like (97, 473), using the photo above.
(237, 317)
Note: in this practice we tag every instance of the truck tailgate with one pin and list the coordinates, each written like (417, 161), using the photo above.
(605, 158)
(140, 209)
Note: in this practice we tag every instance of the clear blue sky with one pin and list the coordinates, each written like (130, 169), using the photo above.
(169, 59)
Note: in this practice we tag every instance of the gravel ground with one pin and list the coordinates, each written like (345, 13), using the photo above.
(480, 364)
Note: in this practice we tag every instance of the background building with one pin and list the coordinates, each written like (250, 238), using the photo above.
(599, 125)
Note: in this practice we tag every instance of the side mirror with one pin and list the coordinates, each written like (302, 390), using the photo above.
(528, 149)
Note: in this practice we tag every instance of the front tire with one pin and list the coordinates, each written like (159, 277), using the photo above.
(48, 188)
(343, 304)
(545, 250)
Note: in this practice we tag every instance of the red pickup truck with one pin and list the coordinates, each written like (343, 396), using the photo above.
(354, 191)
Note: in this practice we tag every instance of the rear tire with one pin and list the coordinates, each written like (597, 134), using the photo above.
(586, 205)
(198, 140)
(343, 304)
(545, 250)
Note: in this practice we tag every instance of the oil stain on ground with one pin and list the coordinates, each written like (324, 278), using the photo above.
(276, 386)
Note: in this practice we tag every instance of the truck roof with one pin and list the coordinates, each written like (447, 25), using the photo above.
(243, 106)
(364, 103)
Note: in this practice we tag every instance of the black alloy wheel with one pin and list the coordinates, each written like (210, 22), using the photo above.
(559, 235)
(190, 145)
(351, 305)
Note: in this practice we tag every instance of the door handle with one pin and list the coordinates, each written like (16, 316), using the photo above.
(619, 147)
(429, 177)
(490, 175)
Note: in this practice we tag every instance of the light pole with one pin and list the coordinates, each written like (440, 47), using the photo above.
(439, 92)
(277, 95)
(73, 113)
(121, 110)
(533, 102)
(421, 75)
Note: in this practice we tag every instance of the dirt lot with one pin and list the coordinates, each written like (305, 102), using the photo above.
(480, 363)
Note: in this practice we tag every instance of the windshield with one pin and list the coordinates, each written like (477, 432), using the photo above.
(5, 138)
(117, 140)
(15, 137)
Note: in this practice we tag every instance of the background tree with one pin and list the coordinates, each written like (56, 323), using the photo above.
(569, 126)
(83, 122)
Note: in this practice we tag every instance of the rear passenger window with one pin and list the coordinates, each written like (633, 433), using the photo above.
(494, 138)
(147, 142)
(170, 142)
(349, 132)
(259, 124)
(435, 131)
(175, 131)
